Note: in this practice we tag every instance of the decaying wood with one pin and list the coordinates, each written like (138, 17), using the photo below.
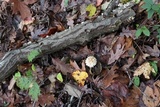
(77, 35)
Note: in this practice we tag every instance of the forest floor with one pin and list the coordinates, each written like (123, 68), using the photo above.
(120, 69)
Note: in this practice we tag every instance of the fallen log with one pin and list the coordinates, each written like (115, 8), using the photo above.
(78, 35)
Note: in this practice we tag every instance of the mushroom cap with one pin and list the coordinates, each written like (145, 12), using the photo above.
(91, 61)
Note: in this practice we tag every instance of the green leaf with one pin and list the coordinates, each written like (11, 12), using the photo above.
(17, 75)
(23, 83)
(32, 55)
(136, 81)
(29, 73)
(138, 32)
(92, 10)
(33, 67)
(34, 91)
(59, 77)
(158, 30)
(154, 65)
(66, 3)
(150, 13)
(155, 7)
(147, 6)
(156, 27)
(148, 1)
(146, 31)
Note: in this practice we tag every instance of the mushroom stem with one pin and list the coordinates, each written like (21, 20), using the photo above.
(90, 70)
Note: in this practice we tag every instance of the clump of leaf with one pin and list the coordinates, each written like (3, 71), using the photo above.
(27, 83)
(151, 8)
(32, 55)
(145, 69)
(142, 29)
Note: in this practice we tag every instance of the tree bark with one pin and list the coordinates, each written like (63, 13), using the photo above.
(77, 35)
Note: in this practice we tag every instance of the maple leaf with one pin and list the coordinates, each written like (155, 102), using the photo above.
(22, 8)
(115, 56)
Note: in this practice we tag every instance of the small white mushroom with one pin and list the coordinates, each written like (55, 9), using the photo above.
(91, 61)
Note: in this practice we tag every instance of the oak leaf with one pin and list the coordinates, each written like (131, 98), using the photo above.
(115, 56)
(152, 51)
(61, 66)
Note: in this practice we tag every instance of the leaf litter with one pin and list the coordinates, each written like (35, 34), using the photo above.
(120, 56)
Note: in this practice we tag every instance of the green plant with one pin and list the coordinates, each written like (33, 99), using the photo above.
(136, 81)
(32, 55)
(27, 83)
(154, 66)
(151, 8)
(142, 29)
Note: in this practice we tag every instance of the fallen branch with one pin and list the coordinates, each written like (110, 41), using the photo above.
(78, 35)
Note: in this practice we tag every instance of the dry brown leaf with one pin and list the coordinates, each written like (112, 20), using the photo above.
(46, 99)
(61, 66)
(151, 97)
(11, 84)
(81, 53)
(128, 43)
(22, 8)
(108, 79)
(12, 36)
(115, 56)
(133, 99)
(29, 1)
(144, 69)
(128, 33)
(157, 83)
(74, 64)
(152, 51)
(99, 2)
